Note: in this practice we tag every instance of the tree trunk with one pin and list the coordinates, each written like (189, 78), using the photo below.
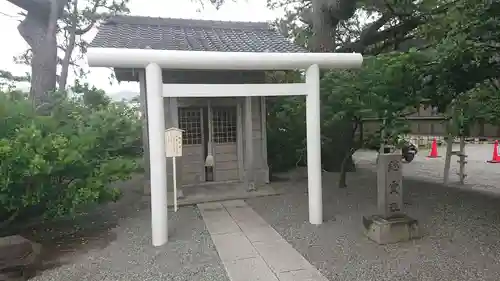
(326, 16)
(39, 31)
(347, 162)
(63, 78)
(336, 154)
(324, 29)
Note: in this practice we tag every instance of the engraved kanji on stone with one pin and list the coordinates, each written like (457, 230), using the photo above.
(393, 166)
(394, 188)
(393, 207)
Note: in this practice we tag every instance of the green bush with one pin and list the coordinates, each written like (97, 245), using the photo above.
(387, 86)
(53, 165)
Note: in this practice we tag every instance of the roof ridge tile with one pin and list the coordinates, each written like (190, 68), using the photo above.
(160, 21)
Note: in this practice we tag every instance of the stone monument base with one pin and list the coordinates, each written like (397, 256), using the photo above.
(391, 230)
(19, 258)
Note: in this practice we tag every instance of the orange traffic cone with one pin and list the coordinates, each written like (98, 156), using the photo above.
(434, 150)
(496, 157)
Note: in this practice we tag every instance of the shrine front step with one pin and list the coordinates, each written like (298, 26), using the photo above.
(391, 230)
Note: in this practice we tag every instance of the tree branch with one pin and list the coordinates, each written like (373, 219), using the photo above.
(371, 35)
(7, 75)
(66, 61)
(93, 21)
(495, 83)
(40, 7)
(62, 48)
(86, 29)
(375, 26)
(368, 39)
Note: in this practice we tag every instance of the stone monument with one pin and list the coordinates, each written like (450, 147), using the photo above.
(390, 224)
(19, 258)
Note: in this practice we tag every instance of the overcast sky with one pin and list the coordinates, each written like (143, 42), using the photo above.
(242, 10)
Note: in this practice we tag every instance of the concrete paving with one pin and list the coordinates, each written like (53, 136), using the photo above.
(250, 249)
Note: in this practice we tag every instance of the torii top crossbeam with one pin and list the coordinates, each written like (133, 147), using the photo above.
(203, 60)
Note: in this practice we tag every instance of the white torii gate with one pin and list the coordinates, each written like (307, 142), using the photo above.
(154, 60)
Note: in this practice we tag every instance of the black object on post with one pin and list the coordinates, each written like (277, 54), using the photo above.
(209, 173)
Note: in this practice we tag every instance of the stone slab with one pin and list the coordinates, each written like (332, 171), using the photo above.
(246, 215)
(281, 256)
(393, 230)
(234, 246)
(210, 206)
(222, 226)
(234, 203)
(301, 275)
(218, 221)
(262, 234)
(14, 249)
(18, 257)
(246, 218)
(194, 195)
(252, 269)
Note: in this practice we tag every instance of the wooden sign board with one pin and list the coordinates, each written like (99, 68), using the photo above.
(173, 142)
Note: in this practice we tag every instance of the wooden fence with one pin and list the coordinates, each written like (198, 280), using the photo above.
(426, 123)
(433, 126)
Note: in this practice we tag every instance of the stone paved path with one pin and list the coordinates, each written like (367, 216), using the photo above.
(250, 248)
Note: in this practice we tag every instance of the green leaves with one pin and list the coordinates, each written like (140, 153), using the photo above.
(387, 86)
(456, 69)
(464, 64)
(54, 165)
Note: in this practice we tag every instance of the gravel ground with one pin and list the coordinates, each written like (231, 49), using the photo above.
(115, 244)
(461, 231)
